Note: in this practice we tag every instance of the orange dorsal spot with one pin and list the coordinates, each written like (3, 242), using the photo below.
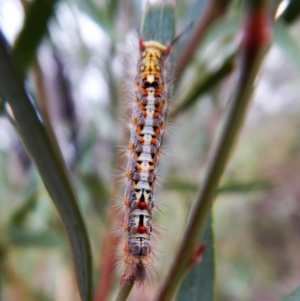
(157, 92)
(156, 131)
(159, 107)
(150, 169)
(153, 141)
(143, 92)
(155, 114)
(142, 106)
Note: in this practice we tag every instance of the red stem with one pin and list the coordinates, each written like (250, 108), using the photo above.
(212, 12)
(256, 38)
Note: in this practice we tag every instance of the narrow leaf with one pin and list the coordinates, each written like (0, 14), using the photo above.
(200, 85)
(159, 23)
(199, 282)
(34, 135)
(37, 15)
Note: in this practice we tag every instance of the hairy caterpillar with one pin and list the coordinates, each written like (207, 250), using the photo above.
(147, 126)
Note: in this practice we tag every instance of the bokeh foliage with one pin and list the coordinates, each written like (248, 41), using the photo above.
(72, 58)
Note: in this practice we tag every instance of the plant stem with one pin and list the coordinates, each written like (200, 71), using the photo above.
(212, 12)
(200, 86)
(256, 38)
(124, 290)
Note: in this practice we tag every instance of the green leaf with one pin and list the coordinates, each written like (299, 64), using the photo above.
(287, 44)
(198, 285)
(159, 23)
(50, 165)
(192, 12)
(37, 15)
(201, 85)
(291, 13)
(293, 296)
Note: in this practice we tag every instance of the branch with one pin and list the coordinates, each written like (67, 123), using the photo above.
(200, 86)
(124, 290)
(214, 10)
(256, 38)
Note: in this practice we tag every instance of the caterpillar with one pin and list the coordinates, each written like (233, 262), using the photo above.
(146, 129)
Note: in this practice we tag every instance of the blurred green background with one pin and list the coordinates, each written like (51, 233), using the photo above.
(83, 67)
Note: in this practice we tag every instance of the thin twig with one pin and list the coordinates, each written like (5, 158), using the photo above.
(200, 86)
(211, 13)
(256, 38)
(124, 290)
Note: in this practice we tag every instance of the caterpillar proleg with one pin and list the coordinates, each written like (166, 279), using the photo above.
(147, 126)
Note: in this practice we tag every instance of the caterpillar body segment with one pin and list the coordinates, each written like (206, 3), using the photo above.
(146, 129)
